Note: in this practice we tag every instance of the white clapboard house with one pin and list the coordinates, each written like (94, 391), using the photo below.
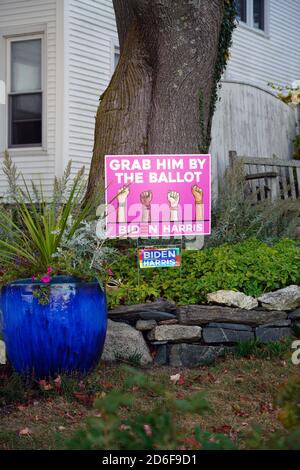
(57, 57)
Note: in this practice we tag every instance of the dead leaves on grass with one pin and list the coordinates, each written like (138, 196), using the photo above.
(25, 432)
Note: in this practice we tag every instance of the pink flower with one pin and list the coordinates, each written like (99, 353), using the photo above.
(46, 279)
(148, 430)
(109, 272)
(33, 278)
(49, 270)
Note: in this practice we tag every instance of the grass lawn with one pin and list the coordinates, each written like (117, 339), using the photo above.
(241, 392)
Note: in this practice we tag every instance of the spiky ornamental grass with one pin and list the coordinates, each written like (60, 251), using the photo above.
(38, 231)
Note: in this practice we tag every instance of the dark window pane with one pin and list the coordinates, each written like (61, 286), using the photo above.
(241, 6)
(259, 14)
(116, 58)
(26, 119)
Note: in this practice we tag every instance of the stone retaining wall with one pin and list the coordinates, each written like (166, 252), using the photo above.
(193, 335)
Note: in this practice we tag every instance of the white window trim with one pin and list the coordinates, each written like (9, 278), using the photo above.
(17, 33)
(250, 23)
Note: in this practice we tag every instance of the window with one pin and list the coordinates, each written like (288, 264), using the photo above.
(116, 56)
(259, 14)
(241, 7)
(25, 92)
(253, 13)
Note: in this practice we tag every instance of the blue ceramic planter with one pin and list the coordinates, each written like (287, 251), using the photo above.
(65, 335)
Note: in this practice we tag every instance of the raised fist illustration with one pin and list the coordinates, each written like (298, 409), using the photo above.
(198, 194)
(122, 195)
(173, 198)
(146, 198)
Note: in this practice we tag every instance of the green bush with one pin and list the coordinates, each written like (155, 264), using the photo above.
(252, 267)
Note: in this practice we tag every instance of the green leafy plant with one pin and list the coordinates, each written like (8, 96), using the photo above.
(251, 266)
(157, 429)
(41, 233)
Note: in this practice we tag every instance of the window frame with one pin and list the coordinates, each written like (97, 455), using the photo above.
(9, 93)
(114, 48)
(249, 24)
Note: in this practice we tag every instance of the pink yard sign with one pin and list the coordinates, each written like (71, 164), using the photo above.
(157, 195)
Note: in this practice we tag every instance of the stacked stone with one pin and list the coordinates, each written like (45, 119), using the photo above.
(196, 335)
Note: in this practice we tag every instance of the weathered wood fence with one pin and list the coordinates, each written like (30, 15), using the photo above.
(270, 178)
(252, 121)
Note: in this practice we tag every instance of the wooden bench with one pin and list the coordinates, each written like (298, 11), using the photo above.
(270, 178)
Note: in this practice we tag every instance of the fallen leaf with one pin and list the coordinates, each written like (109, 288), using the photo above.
(124, 427)
(45, 385)
(21, 407)
(25, 432)
(84, 398)
(174, 378)
(177, 379)
(70, 417)
(81, 385)
(225, 429)
(239, 379)
(181, 381)
(266, 407)
(238, 411)
(211, 378)
(244, 398)
(105, 384)
(191, 442)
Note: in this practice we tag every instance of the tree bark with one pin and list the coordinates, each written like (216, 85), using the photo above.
(169, 50)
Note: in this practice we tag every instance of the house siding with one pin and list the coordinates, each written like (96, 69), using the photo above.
(274, 57)
(91, 34)
(23, 17)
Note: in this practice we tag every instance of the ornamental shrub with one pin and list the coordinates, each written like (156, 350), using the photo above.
(252, 267)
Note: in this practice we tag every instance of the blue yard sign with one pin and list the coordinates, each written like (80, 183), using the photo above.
(160, 257)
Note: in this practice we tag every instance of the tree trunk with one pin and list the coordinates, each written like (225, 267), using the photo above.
(160, 97)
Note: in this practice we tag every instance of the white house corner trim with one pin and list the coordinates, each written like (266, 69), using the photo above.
(61, 88)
